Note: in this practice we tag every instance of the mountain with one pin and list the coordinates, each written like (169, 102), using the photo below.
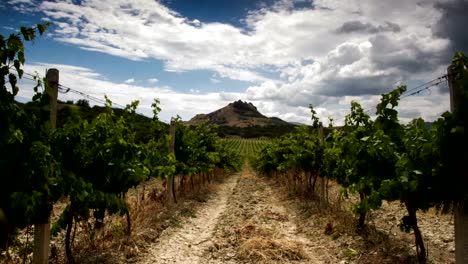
(242, 119)
(238, 114)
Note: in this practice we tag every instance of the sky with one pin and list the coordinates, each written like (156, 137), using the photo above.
(281, 55)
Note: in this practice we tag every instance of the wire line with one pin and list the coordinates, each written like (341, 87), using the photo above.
(413, 91)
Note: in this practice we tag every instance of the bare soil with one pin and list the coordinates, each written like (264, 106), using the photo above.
(187, 242)
(252, 219)
(331, 224)
(258, 228)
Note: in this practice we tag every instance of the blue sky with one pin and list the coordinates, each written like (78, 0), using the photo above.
(281, 55)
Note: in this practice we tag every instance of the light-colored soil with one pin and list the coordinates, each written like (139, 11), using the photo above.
(252, 219)
(187, 242)
(242, 222)
(334, 227)
(258, 228)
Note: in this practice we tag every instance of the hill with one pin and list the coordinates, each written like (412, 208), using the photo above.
(237, 114)
(238, 119)
(244, 120)
(68, 111)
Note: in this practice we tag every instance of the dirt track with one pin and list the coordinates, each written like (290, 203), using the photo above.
(241, 215)
(187, 243)
(248, 220)
(258, 228)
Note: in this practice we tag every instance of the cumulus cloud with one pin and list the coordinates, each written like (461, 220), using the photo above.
(131, 80)
(320, 53)
(189, 104)
(361, 27)
(276, 36)
(88, 82)
(408, 54)
(451, 24)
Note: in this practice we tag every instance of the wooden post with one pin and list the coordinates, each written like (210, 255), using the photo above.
(461, 210)
(52, 77)
(171, 198)
(42, 230)
(455, 91)
(461, 233)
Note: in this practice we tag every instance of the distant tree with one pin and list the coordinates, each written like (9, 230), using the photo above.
(70, 102)
(83, 103)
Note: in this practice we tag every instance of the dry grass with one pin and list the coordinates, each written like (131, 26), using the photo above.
(333, 218)
(255, 230)
(261, 244)
(276, 216)
(149, 214)
(266, 250)
(250, 230)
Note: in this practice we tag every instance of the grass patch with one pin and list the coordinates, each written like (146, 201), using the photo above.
(265, 250)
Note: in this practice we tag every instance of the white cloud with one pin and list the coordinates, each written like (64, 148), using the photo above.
(152, 80)
(22, 6)
(278, 36)
(128, 81)
(15, 2)
(321, 55)
(9, 28)
(429, 105)
(214, 80)
(85, 80)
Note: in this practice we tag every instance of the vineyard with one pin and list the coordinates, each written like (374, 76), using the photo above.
(247, 148)
(380, 160)
(86, 167)
(86, 176)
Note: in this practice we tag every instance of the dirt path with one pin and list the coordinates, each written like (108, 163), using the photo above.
(257, 228)
(247, 220)
(242, 222)
(187, 242)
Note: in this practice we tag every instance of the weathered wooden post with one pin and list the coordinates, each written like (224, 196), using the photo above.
(52, 77)
(461, 210)
(42, 230)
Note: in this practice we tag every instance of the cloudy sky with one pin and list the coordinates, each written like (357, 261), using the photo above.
(197, 56)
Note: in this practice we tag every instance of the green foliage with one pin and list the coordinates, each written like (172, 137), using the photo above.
(93, 161)
(315, 119)
(273, 131)
(382, 159)
(199, 149)
(244, 149)
(452, 139)
(25, 153)
(92, 158)
(99, 161)
(83, 103)
(300, 150)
